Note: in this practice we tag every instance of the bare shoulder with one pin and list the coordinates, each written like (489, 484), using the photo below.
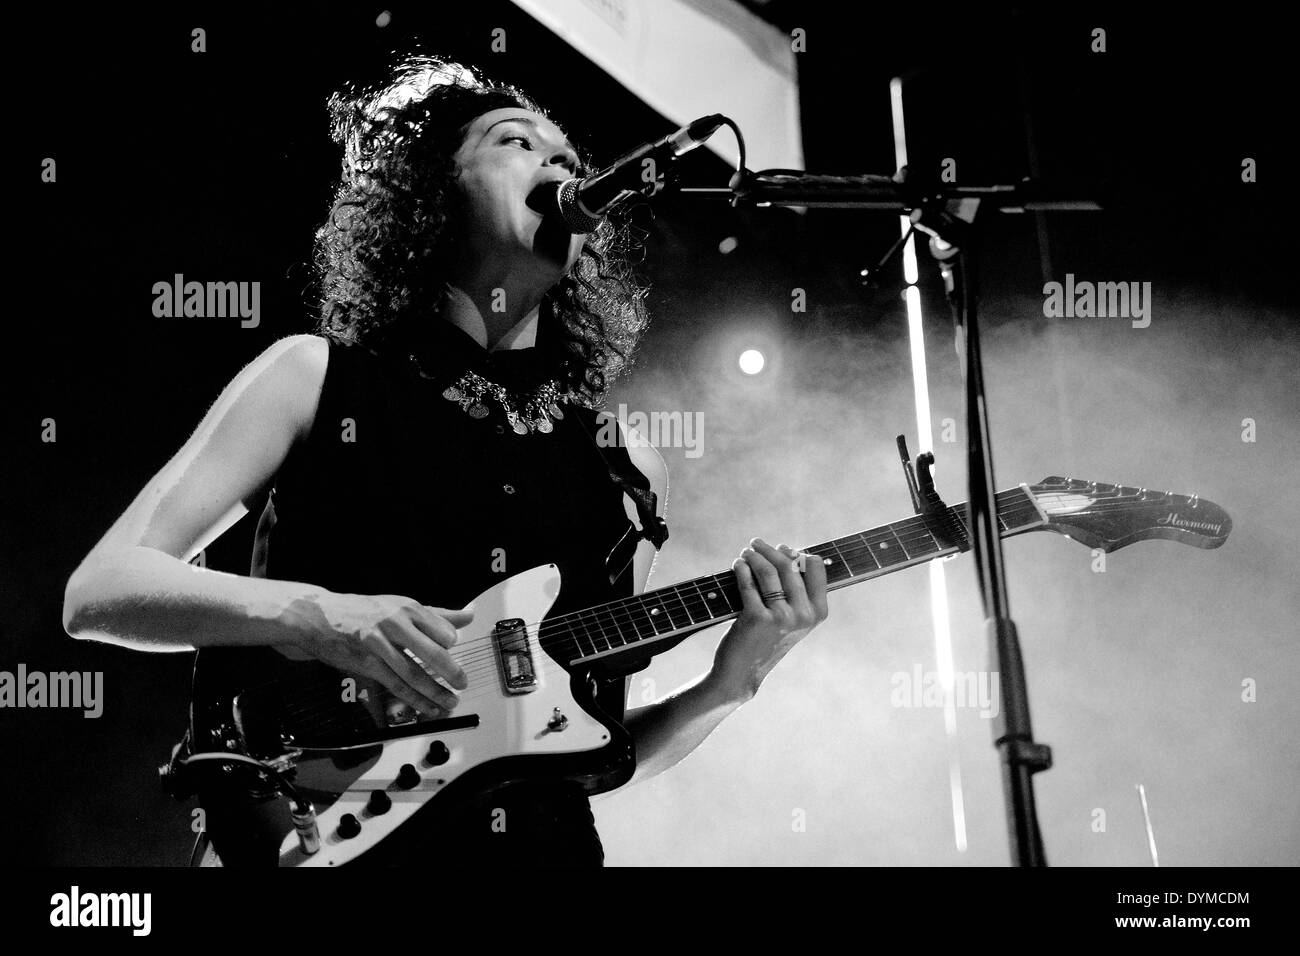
(231, 456)
(302, 356)
(292, 370)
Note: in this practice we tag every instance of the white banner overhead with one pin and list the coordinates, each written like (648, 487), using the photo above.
(688, 58)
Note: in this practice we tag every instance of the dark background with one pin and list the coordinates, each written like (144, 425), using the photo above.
(218, 165)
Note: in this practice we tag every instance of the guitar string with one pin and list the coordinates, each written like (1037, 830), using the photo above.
(915, 529)
(623, 611)
(1003, 513)
(911, 528)
(918, 528)
(550, 668)
(640, 608)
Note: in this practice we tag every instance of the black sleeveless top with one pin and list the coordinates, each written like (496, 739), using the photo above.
(397, 490)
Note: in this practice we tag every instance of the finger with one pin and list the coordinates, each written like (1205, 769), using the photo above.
(433, 621)
(429, 658)
(814, 576)
(454, 618)
(749, 599)
(390, 679)
(782, 558)
(767, 576)
(431, 654)
(414, 676)
(409, 633)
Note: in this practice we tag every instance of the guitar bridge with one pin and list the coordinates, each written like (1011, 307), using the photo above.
(518, 671)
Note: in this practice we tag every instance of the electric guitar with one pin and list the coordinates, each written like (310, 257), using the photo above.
(368, 762)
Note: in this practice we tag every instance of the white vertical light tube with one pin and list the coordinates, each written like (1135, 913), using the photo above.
(925, 442)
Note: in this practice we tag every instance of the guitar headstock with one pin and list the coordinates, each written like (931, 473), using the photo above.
(1111, 516)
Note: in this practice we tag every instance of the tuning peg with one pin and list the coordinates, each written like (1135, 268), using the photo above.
(1196, 499)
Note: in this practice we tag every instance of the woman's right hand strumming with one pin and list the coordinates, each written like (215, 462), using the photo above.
(376, 636)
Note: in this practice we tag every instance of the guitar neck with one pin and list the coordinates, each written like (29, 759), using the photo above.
(630, 627)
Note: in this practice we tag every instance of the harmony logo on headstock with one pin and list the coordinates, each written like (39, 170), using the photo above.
(1112, 516)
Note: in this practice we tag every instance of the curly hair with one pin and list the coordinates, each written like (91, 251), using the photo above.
(383, 256)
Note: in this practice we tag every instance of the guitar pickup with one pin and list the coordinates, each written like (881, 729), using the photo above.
(518, 670)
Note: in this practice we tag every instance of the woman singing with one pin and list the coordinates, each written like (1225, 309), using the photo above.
(437, 434)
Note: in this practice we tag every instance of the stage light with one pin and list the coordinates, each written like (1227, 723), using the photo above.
(728, 245)
(752, 361)
(925, 442)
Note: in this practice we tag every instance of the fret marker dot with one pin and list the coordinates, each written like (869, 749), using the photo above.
(884, 545)
(654, 610)
(712, 595)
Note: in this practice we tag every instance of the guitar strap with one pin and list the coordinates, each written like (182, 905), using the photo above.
(262, 536)
(637, 487)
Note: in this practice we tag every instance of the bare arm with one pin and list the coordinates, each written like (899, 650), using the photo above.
(763, 633)
(136, 589)
(666, 731)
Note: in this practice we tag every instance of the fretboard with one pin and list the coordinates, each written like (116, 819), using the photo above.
(630, 626)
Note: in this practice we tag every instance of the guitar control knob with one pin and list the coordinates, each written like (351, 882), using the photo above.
(379, 803)
(557, 722)
(438, 754)
(408, 777)
(349, 826)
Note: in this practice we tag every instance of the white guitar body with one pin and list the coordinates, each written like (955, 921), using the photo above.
(546, 721)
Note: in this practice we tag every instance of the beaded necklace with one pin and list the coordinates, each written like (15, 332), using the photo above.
(526, 412)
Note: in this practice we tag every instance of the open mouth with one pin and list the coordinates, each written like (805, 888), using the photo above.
(541, 198)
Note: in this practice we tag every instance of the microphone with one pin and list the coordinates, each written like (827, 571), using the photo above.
(583, 203)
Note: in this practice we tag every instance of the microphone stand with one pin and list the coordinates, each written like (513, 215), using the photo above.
(949, 215)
